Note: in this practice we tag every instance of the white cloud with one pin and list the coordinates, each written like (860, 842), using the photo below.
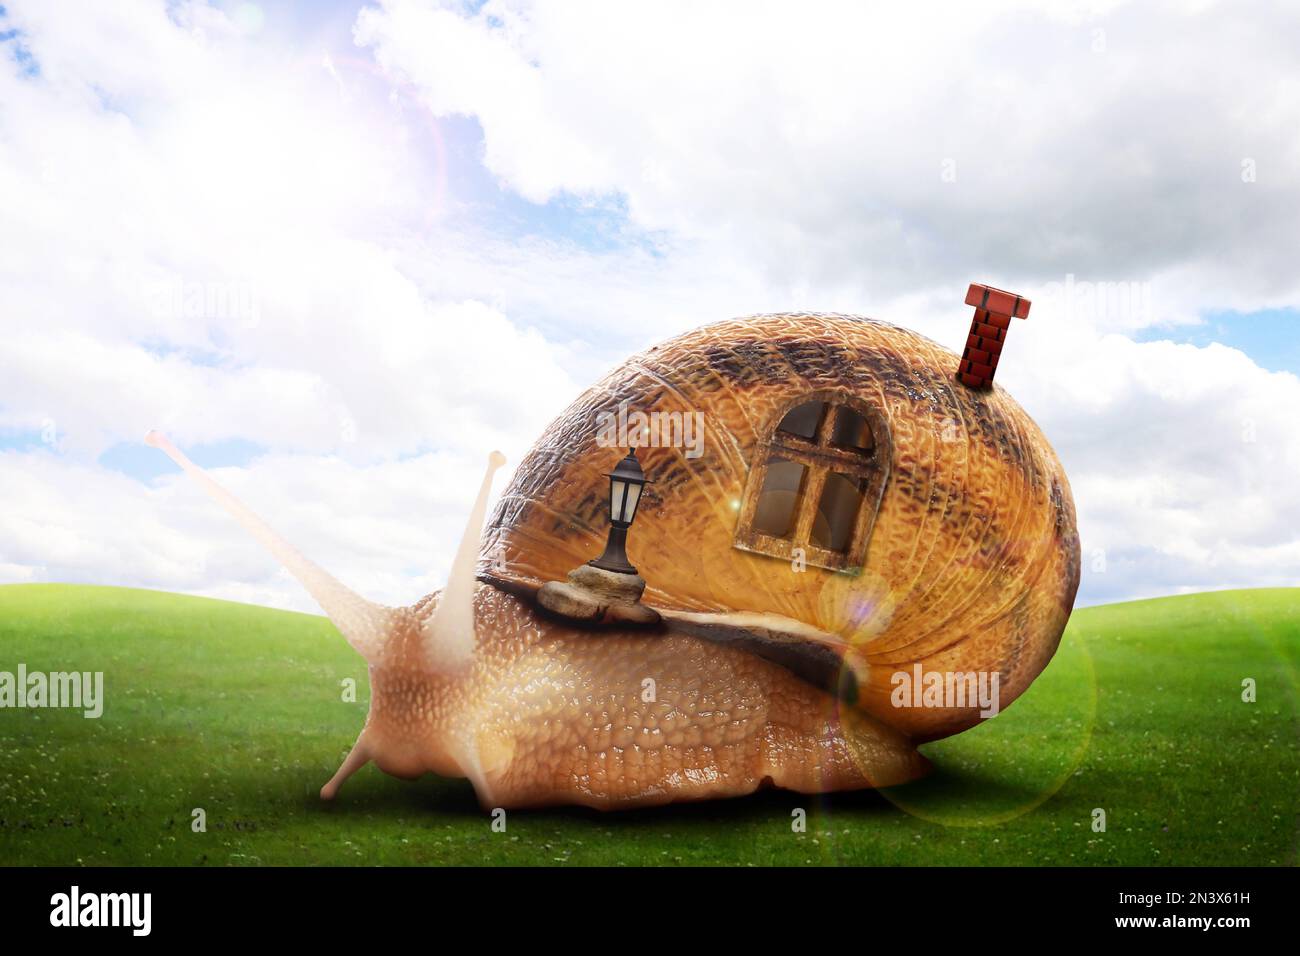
(389, 530)
(233, 232)
(1106, 140)
(1182, 462)
(224, 205)
(203, 232)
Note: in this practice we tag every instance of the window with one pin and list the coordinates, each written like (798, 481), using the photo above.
(815, 483)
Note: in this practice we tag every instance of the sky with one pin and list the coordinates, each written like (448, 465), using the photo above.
(341, 251)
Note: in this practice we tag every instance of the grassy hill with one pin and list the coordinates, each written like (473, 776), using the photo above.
(236, 710)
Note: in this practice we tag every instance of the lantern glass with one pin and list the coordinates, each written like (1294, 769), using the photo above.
(617, 491)
(623, 499)
(629, 505)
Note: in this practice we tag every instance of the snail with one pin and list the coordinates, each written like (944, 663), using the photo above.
(852, 513)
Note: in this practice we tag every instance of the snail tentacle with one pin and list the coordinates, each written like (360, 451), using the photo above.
(365, 624)
(449, 633)
(357, 758)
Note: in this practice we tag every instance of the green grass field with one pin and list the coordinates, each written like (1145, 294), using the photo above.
(237, 710)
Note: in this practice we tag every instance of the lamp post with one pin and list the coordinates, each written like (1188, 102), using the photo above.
(625, 484)
(607, 589)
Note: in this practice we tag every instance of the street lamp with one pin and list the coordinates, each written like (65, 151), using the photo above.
(607, 589)
(625, 484)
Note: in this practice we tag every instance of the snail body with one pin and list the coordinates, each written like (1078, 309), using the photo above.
(549, 713)
(851, 514)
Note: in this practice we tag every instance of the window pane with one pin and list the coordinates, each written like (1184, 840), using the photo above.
(779, 499)
(837, 512)
(803, 420)
(851, 430)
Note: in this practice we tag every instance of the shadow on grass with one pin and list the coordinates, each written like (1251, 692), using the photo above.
(945, 787)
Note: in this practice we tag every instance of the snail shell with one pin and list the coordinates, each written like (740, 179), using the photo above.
(962, 554)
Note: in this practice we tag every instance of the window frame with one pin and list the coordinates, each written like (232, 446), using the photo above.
(820, 458)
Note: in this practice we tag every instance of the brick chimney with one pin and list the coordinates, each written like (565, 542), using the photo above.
(994, 310)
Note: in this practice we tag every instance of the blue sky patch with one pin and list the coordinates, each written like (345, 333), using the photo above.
(12, 41)
(1271, 337)
(144, 463)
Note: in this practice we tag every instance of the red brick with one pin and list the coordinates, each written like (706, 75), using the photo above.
(992, 318)
(984, 358)
(992, 346)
